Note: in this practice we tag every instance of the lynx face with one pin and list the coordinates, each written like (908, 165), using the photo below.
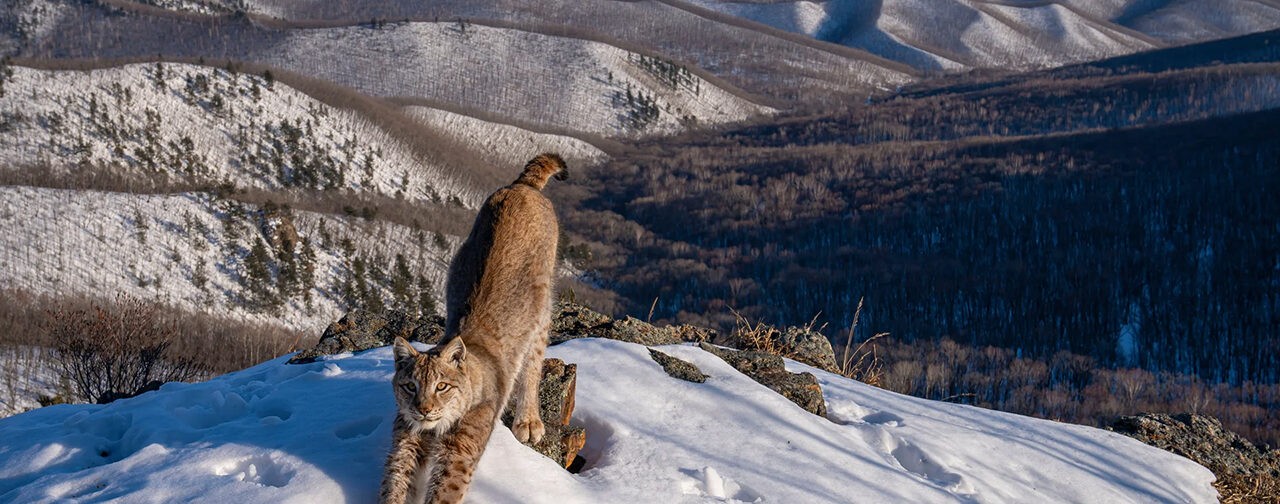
(431, 388)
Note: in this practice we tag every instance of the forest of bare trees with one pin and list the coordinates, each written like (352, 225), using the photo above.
(1125, 218)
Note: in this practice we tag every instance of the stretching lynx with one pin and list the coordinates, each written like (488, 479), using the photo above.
(499, 313)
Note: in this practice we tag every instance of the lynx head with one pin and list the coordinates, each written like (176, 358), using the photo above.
(431, 388)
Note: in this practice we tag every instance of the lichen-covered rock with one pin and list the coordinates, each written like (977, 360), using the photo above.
(572, 321)
(430, 330)
(1202, 439)
(769, 370)
(361, 330)
(677, 368)
(808, 346)
(1246, 472)
(556, 392)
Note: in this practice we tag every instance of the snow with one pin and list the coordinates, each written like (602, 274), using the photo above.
(99, 118)
(26, 374)
(955, 34)
(69, 242)
(529, 77)
(501, 144)
(318, 433)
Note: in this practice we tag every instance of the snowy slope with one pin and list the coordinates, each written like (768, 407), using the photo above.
(207, 124)
(188, 250)
(955, 34)
(318, 433)
(563, 82)
(501, 144)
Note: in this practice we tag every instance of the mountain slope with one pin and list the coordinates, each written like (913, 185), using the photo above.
(957, 34)
(203, 125)
(318, 433)
(194, 252)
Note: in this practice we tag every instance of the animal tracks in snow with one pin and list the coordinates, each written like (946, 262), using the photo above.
(358, 428)
(259, 470)
(707, 482)
(878, 429)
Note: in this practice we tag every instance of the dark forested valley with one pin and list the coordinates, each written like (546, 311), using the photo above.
(1124, 212)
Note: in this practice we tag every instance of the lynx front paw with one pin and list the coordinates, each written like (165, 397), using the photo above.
(529, 431)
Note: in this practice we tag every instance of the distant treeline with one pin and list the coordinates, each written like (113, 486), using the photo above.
(1015, 217)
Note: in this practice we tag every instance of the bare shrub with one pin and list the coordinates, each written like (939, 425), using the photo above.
(117, 352)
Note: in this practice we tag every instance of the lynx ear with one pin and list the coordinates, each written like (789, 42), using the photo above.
(404, 351)
(454, 351)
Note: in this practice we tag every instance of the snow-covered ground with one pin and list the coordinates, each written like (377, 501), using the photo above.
(955, 34)
(501, 144)
(26, 374)
(318, 433)
(207, 124)
(187, 250)
(563, 82)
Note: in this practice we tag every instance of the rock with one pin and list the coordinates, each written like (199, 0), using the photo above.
(430, 330)
(1202, 439)
(1246, 472)
(556, 392)
(572, 321)
(808, 346)
(677, 368)
(769, 370)
(361, 330)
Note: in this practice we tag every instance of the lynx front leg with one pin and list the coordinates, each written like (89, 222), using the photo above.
(460, 452)
(402, 464)
(527, 425)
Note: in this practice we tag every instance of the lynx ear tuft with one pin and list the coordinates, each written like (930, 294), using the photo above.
(404, 351)
(455, 351)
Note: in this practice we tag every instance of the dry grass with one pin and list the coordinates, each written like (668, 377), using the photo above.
(756, 336)
(863, 362)
(1247, 489)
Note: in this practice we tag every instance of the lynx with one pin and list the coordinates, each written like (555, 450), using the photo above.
(499, 313)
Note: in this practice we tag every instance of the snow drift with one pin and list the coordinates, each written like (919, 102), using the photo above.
(318, 433)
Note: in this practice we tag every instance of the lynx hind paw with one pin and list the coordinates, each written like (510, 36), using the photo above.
(529, 431)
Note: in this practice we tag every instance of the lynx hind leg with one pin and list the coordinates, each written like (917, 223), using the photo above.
(528, 426)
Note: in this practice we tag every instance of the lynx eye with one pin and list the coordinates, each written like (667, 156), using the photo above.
(441, 387)
(409, 387)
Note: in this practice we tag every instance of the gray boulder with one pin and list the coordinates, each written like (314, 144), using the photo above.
(677, 368)
(768, 370)
(810, 347)
(361, 330)
(1246, 472)
(572, 321)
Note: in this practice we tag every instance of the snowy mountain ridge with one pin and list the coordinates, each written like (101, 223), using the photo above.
(318, 433)
(945, 35)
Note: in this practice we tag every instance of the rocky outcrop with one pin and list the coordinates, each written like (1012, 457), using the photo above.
(768, 370)
(561, 442)
(677, 368)
(361, 330)
(572, 321)
(1246, 472)
(808, 346)
(800, 344)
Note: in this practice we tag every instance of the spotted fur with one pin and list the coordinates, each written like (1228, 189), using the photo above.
(499, 314)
